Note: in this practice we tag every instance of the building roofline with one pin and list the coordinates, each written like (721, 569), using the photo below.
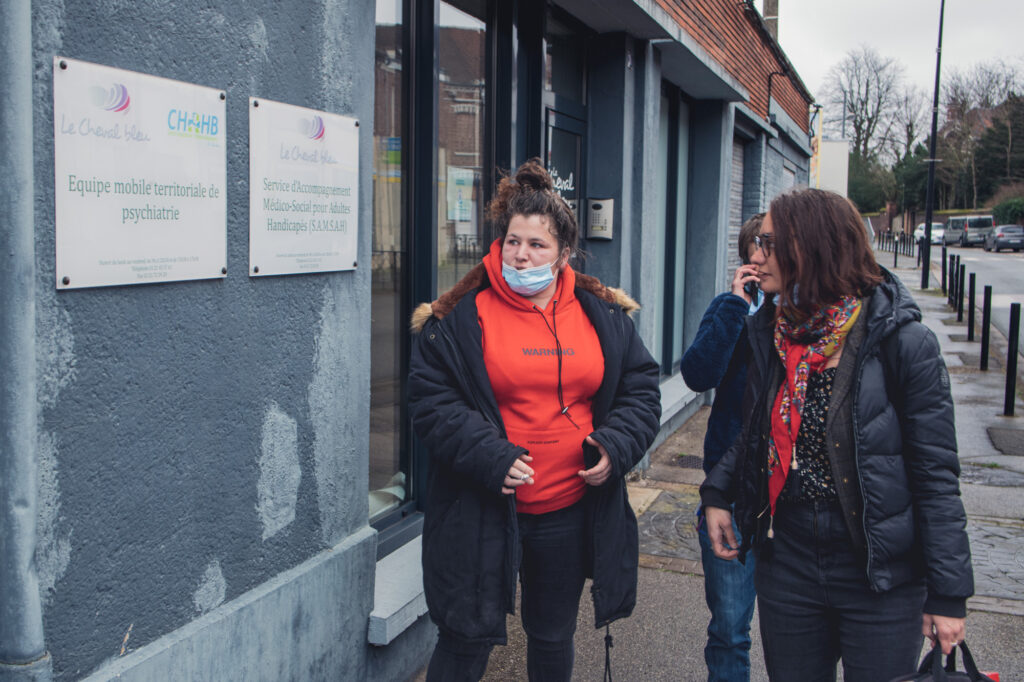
(755, 18)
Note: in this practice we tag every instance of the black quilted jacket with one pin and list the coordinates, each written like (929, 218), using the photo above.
(901, 439)
(470, 532)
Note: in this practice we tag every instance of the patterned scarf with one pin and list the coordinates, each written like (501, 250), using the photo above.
(804, 349)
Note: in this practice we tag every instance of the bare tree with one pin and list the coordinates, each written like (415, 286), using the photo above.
(972, 99)
(910, 121)
(864, 89)
(988, 84)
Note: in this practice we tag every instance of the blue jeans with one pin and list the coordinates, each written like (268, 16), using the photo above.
(552, 573)
(815, 605)
(729, 591)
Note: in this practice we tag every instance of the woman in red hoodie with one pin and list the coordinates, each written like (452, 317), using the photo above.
(535, 396)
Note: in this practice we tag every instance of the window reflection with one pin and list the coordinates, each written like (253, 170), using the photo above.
(460, 152)
(565, 50)
(387, 479)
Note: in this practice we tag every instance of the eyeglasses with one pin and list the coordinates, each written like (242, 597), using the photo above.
(765, 242)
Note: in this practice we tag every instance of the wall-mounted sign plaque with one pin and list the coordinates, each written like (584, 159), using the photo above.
(139, 173)
(303, 190)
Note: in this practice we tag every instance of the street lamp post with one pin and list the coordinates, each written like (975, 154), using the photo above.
(930, 194)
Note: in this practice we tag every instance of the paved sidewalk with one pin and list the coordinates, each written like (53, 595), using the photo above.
(664, 638)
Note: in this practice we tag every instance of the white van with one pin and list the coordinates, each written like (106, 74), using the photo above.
(968, 230)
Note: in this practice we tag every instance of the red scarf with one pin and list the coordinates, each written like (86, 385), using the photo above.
(804, 349)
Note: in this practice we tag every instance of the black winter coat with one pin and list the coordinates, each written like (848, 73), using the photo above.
(908, 518)
(471, 549)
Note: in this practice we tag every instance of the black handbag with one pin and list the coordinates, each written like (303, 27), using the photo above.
(932, 670)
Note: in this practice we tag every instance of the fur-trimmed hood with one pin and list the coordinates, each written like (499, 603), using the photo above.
(477, 277)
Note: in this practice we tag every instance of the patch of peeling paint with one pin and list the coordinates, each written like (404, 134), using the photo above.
(280, 472)
(53, 542)
(55, 370)
(212, 588)
(338, 407)
(55, 350)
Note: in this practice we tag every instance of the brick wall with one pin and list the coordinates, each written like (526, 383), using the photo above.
(733, 39)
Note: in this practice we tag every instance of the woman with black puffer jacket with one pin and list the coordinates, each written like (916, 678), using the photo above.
(845, 476)
(535, 396)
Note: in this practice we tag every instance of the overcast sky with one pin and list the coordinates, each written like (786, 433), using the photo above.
(816, 34)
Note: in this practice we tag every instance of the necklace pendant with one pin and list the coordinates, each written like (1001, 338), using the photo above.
(793, 466)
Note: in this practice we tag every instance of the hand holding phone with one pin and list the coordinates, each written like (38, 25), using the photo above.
(744, 282)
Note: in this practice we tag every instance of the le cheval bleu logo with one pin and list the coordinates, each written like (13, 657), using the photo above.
(115, 102)
(115, 99)
(315, 130)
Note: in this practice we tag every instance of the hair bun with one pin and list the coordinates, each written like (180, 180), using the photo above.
(534, 176)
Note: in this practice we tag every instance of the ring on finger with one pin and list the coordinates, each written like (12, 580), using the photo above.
(523, 477)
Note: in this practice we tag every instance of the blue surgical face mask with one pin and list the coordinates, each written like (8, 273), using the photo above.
(528, 281)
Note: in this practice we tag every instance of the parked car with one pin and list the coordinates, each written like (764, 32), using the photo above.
(938, 233)
(1005, 237)
(969, 229)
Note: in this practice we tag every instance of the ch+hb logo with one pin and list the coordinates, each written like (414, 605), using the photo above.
(192, 122)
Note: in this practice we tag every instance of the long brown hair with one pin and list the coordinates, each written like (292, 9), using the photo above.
(822, 250)
(531, 191)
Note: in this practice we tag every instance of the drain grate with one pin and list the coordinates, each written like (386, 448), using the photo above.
(688, 461)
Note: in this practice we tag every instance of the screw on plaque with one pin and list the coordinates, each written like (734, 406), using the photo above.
(355, 263)
(63, 65)
(224, 271)
(357, 124)
(66, 281)
(255, 269)
(223, 96)
(255, 102)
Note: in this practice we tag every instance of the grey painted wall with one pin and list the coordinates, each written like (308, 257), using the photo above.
(197, 439)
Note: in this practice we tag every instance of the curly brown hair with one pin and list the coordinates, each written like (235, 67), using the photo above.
(822, 250)
(531, 191)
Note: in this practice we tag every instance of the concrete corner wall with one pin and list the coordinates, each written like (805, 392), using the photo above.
(198, 441)
(707, 219)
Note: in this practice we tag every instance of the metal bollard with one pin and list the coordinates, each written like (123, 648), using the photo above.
(944, 266)
(986, 323)
(895, 255)
(1011, 360)
(960, 281)
(956, 278)
(970, 309)
(948, 290)
(951, 289)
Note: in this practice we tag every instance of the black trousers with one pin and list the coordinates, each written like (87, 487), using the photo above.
(816, 607)
(552, 575)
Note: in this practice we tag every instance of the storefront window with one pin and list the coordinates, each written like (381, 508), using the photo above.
(388, 479)
(565, 157)
(460, 145)
(564, 66)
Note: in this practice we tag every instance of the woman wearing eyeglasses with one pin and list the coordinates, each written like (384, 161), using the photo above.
(845, 476)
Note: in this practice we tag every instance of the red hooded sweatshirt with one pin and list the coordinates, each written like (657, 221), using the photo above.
(521, 355)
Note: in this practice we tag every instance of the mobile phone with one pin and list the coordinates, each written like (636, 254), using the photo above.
(750, 288)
